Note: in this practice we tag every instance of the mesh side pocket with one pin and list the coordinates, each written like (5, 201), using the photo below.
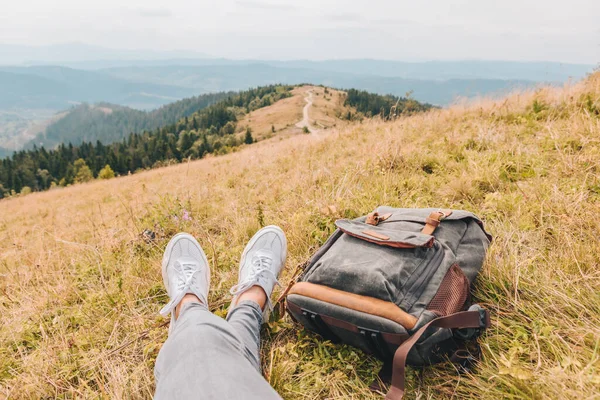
(452, 294)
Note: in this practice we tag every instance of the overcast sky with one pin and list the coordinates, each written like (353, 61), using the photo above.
(543, 30)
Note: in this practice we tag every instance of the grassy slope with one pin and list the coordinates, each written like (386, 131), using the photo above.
(80, 289)
(283, 115)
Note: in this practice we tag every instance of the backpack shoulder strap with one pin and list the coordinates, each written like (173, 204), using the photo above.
(464, 319)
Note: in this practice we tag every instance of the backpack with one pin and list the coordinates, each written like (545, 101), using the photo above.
(396, 284)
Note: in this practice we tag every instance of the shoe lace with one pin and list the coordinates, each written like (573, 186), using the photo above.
(261, 268)
(186, 279)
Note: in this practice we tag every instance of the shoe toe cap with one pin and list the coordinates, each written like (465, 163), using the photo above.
(270, 241)
(184, 246)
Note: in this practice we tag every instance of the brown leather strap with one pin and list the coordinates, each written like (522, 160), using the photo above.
(280, 303)
(374, 218)
(368, 305)
(463, 319)
(376, 235)
(433, 221)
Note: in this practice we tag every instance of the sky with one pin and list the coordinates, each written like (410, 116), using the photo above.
(519, 30)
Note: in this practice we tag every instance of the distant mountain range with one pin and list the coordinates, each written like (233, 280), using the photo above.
(233, 77)
(147, 87)
(145, 80)
(84, 56)
(430, 70)
(52, 87)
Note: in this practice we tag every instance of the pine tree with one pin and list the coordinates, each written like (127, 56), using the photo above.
(248, 139)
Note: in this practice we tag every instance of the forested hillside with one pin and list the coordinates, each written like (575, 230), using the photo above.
(209, 130)
(213, 129)
(109, 123)
(385, 106)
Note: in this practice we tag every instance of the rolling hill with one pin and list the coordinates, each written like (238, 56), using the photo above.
(218, 127)
(81, 287)
(109, 123)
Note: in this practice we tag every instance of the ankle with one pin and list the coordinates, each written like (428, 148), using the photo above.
(255, 294)
(188, 298)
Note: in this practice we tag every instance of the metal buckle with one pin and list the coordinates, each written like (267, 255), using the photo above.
(443, 215)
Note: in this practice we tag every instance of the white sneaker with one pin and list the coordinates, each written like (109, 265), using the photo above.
(262, 260)
(185, 270)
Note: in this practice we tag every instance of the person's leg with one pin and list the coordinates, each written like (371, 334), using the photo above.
(204, 356)
(246, 318)
(260, 265)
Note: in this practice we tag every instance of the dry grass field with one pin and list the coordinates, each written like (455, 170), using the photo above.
(80, 287)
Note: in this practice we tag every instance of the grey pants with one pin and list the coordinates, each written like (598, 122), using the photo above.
(207, 357)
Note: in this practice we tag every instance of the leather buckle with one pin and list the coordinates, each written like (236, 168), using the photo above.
(375, 218)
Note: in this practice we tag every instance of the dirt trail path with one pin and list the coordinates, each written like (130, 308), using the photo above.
(305, 120)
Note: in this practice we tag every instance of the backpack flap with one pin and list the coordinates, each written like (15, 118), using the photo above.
(384, 235)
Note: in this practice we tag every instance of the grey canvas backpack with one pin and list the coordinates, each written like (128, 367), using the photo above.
(396, 283)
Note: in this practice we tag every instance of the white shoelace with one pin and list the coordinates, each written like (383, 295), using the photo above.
(185, 280)
(261, 267)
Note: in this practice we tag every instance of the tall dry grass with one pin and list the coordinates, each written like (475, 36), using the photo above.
(80, 286)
